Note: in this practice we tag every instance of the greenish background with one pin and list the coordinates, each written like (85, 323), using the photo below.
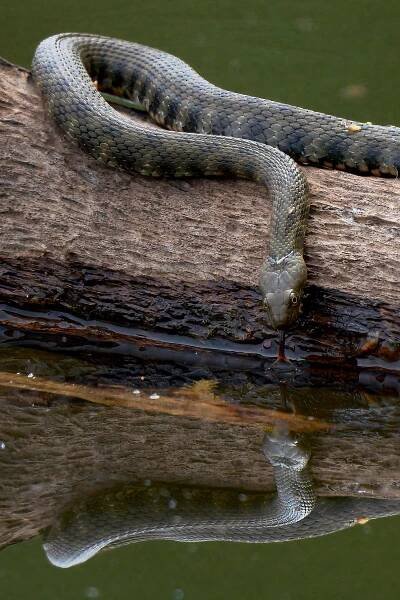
(340, 57)
(357, 564)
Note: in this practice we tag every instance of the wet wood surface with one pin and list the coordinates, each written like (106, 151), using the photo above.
(183, 257)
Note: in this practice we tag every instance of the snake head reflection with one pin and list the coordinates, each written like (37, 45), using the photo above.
(283, 449)
(282, 283)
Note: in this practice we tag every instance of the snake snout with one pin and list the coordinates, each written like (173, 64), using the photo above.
(282, 282)
(284, 449)
(283, 308)
(276, 309)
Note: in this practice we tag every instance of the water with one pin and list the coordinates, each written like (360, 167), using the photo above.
(296, 570)
(339, 58)
(77, 429)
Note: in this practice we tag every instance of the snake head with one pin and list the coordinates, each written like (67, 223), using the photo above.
(282, 283)
(284, 449)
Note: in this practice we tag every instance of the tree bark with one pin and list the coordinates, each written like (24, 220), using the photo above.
(183, 257)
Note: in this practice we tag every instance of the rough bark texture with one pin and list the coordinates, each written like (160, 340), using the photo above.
(184, 256)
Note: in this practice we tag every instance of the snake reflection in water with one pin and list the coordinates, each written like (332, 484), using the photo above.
(141, 512)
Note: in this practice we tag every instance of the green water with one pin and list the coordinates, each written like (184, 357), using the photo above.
(339, 57)
(358, 564)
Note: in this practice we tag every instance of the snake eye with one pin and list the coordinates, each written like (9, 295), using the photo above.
(294, 299)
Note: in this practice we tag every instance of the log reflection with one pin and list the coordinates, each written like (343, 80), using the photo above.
(76, 428)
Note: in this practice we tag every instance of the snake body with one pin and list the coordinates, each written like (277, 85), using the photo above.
(138, 513)
(116, 518)
(216, 133)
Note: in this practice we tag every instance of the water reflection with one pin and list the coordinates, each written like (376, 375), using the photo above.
(186, 514)
(84, 436)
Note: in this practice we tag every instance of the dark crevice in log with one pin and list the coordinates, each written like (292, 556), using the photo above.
(333, 327)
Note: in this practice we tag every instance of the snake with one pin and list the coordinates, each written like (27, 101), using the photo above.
(149, 511)
(211, 132)
(115, 518)
(138, 515)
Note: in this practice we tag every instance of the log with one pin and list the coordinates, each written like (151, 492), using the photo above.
(92, 249)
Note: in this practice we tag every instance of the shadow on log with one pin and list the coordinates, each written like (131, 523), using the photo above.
(183, 257)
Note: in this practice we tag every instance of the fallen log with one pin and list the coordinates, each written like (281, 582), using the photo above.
(183, 257)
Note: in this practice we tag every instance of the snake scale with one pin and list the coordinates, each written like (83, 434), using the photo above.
(137, 513)
(216, 133)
